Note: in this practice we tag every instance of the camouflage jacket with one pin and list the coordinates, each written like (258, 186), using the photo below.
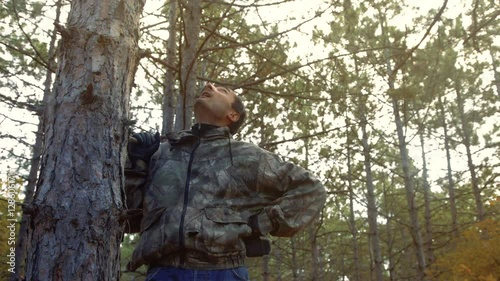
(203, 188)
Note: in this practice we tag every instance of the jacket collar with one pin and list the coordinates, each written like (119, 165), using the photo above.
(203, 131)
(210, 131)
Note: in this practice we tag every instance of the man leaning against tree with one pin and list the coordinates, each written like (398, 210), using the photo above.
(209, 201)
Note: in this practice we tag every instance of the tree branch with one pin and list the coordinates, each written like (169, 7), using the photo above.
(480, 26)
(37, 109)
(437, 17)
(270, 144)
(41, 61)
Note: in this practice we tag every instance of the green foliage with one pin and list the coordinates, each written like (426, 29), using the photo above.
(23, 67)
(474, 255)
(27, 52)
(37, 9)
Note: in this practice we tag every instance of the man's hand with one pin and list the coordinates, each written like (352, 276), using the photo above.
(256, 244)
(141, 146)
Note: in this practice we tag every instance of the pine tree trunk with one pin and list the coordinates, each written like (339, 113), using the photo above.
(427, 197)
(278, 263)
(371, 200)
(406, 271)
(343, 269)
(408, 178)
(266, 273)
(410, 194)
(24, 233)
(466, 135)
(315, 255)
(76, 228)
(188, 91)
(449, 173)
(294, 263)
(495, 71)
(169, 97)
(352, 221)
(390, 240)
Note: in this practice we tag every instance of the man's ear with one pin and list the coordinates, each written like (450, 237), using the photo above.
(233, 116)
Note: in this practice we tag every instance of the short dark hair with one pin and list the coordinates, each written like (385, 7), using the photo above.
(239, 107)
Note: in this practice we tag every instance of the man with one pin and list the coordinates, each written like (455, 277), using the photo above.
(209, 201)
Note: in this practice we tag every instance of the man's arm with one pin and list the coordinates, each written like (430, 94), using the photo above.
(134, 186)
(140, 149)
(302, 196)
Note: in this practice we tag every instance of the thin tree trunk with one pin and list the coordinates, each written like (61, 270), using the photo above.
(315, 255)
(294, 263)
(371, 200)
(408, 179)
(76, 208)
(24, 233)
(449, 174)
(169, 97)
(342, 260)
(279, 262)
(427, 196)
(192, 17)
(466, 134)
(495, 71)
(390, 239)
(352, 221)
(407, 176)
(407, 272)
(266, 273)
(410, 193)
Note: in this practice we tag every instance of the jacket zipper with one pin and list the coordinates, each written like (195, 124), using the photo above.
(182, 241)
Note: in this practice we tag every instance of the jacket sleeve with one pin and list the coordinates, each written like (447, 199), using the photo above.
(135, 180)
(296, 196)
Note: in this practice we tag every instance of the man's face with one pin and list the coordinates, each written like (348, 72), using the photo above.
(214, 105)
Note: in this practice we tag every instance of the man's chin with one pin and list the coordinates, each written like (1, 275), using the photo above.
(200, 105)
(199, 102)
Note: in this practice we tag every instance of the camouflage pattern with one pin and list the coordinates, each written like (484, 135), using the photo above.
(225, 182)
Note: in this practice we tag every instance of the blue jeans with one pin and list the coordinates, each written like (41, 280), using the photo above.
(161, 273)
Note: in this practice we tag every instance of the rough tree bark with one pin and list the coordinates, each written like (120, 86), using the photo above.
(76, 229)
(24, 234)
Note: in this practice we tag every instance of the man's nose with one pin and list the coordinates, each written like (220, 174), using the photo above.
(209, 86)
